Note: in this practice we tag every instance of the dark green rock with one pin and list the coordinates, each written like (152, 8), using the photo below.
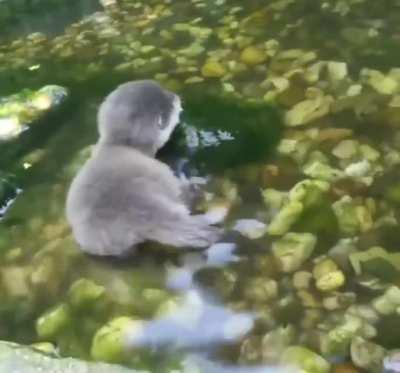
(218, 133)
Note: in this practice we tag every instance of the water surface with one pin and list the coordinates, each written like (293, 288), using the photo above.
(172, 42)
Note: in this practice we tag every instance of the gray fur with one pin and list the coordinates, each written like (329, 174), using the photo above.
(123, 195)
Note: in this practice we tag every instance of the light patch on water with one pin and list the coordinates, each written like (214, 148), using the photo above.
(197, 323)
(10, 128)
(5, 207)
(192, 138)
(217, 255)
(225, 135)
(216, 214)
(208, 138)
(181, 278)
(221, 254)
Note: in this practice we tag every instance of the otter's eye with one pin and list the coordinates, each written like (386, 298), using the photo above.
(159, 122)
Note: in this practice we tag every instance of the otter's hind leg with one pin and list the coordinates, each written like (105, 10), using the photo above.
(190, 231)
(106, 238)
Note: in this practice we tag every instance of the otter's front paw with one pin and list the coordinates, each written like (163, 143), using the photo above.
(206, 236)
(192, 189)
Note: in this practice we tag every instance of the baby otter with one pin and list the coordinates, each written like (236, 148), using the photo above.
(123, 196)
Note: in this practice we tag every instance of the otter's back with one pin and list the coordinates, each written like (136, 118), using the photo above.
(107, 203)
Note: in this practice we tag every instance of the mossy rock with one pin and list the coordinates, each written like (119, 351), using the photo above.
(213, 69)
(253, 56)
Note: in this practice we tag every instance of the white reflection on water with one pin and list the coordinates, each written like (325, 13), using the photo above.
(197, 323)
(217, 255)
(200, 323)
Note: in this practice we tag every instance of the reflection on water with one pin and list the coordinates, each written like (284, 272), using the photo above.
(217, 255)
(196, 323)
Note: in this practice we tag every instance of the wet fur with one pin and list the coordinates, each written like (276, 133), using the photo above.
(123, 196)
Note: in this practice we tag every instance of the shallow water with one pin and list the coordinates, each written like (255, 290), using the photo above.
(40, 261)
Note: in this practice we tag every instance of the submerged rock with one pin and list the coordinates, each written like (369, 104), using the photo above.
(308, 110)
(15, 282)
(108, 3)
(376, 261)
(304, 195)
(306, 359)
(302, 279)
(46, 347)
(353, 217)
(345, 368)
(50, 324)
(109, 343)
(293, 249)
(276, 341)
(346, 149)
(389, 302)
(253, 56)
(367, 355)
(338, 339)
(337, 70)
(213, 69)
(328, 276)
(285, 218)
(383, 84)
(261, 289)
(339, 300)
(321, 170)
(84, 292)
(46, 276)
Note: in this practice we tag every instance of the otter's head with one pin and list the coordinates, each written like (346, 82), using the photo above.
(140, 114)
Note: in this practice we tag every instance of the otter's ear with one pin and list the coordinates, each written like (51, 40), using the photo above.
(159, 122)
